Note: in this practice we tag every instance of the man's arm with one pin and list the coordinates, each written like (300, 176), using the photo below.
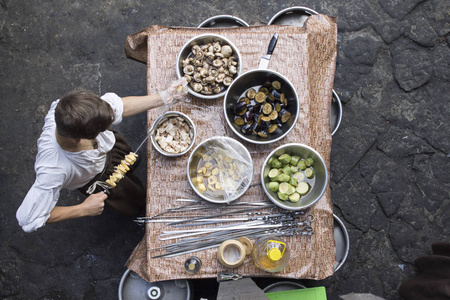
(133, 105)
(92, 206)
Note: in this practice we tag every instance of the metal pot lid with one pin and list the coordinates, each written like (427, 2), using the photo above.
(342, 242)
(223, 21)
(133, 287)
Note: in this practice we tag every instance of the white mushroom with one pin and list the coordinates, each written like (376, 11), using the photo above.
(195, 49)
(217, 63)
(197, 87)
(226, 51)
(206, 90)
(213, 72)
(217, 89)
(210, 79)
(197, 77)
(232, 70)
(210, 55)
(189, 70)
(227, 80)
(220, 77)
(188, 78)
(187, 61)
(217, 47)
(204, 72)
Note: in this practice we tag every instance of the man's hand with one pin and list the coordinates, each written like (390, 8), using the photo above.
(94, 204)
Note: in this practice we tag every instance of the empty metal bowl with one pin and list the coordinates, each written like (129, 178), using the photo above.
(256, 78)
(318, 183)
(221, 149)
(295, 16)
(223, 21)
(200, 40)
(161, 120)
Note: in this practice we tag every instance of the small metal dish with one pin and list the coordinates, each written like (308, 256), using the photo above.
(257, 78)
(223, 21)
(319, 186)
(210, 147)
(161, 120)
(203, 40)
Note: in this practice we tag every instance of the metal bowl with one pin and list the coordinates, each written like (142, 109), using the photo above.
(295, 16)
(257, 78)
(335, 113)
(223, 21)
(162, 119)
(203, 40)
(342, 242)
(209, 147)
(318, 186)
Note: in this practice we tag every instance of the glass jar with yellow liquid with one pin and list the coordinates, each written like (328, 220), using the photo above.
(271, 254)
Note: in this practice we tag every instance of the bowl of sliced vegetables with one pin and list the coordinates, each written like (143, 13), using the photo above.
(261, 106)
(220, 169)
(294, 176)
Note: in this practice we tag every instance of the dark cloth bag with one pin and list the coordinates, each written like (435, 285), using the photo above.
(432, 280)
(129, 196)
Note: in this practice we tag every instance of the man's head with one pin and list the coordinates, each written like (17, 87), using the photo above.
(82, 115)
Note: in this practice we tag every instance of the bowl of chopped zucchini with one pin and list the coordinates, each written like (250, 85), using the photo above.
(294, 176)
(261, 106)
(220, 169)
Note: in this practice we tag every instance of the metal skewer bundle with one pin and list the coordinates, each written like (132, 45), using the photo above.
(240, 219)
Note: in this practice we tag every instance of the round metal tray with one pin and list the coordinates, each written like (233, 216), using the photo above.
(133, 287)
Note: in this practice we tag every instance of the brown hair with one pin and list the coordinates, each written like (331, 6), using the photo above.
(82, 115)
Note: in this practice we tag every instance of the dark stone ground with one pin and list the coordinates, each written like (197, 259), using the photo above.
(389, 162)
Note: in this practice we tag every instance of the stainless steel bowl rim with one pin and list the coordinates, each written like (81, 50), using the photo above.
(289, 9)
(242, 136)
(208, 35)
(205, 142)
(339, 103)
(226, 17)
(347, 241)
(325, 172)
(160, 120)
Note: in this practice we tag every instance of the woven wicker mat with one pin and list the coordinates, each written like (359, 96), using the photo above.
(307, 57)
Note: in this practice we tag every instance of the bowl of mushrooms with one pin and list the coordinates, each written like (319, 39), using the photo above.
(210, 63)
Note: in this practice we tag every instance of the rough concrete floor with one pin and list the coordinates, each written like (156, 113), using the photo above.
(389, 162)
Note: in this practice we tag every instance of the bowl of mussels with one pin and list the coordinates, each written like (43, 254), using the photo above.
(210, 63)
(261, 106)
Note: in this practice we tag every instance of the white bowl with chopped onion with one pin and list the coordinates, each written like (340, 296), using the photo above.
(173, 134)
